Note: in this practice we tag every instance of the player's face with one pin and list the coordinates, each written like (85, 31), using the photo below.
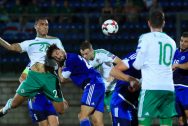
(58, 55)
(42, 27)
(87, 54)
(184, 43)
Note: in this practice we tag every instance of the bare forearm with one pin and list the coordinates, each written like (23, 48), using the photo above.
(183, 66)
(12, 47)
(5, 44)
(119, 75)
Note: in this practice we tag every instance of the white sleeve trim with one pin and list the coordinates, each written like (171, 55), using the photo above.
(66, 74)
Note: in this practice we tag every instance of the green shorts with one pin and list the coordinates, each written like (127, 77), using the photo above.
(41, 82)
(107, 99)
(156, 104)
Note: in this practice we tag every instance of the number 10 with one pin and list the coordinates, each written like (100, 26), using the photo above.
(165, 56)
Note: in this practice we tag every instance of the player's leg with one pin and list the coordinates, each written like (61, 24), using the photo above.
(167, 108)
(107, 100)
(53, 120)
(43, 123)
(97, 118)
(12, 103)
(92, 100)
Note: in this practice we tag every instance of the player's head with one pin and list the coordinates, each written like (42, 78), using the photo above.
(184, 41)
(86, 50)
(41, 26)
(54, 52)
(156, 19)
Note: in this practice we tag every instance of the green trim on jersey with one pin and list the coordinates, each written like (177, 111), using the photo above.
(42, 43)
(97, 67)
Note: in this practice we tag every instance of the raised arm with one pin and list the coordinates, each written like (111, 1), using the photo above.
(12, 47)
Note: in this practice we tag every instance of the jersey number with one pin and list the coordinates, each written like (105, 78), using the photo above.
(165, 56)
(55, 93)
(43, 47)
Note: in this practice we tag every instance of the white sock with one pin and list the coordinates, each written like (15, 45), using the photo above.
(7, 106)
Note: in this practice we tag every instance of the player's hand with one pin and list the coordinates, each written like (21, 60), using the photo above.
(134, 84)
(66, 105)
(175, 66)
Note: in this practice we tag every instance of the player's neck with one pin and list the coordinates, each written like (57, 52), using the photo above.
(41, 36)
(156, 30)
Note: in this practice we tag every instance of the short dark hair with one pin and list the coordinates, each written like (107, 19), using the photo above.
(156, 18)
(185, 34)
(85, 45)
(40, 18)
(50, 50)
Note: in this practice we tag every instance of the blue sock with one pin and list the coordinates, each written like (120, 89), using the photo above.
(7, 106)
(85, 122)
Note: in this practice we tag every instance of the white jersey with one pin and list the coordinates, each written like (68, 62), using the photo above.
(36, 49)
(103, 63)
(155, 52)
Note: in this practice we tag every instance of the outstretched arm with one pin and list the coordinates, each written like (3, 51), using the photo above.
(12, 47)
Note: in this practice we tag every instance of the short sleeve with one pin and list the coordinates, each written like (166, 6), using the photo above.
(59, 44)
(141, 50)
(24, 46)
(107, 56)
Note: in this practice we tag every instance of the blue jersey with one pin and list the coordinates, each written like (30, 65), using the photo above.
(121, 92)
(85, 77)
(131, 71)
(79, 70)
(180, 76)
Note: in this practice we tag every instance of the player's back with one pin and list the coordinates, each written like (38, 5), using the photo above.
(79, 68)
(159, 51)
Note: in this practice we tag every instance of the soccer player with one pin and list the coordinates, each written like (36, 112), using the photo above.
(102, 60)
(85, 77)
(125, 99)
(41, 108)
(180, 76)
(155, 51)
(41, 76)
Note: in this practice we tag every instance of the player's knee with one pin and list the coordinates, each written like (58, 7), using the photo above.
(97, 122)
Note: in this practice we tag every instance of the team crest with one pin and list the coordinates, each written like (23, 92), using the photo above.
(183, 57)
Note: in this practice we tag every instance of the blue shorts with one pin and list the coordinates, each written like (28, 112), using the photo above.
(93, 96)
(120, 122)
(120, 108)
(40, 108)
(181, 99)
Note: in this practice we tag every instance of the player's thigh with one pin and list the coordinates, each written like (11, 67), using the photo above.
(53, 120)
(156, 103)
(86, 111)
(59, 107)
(97, 117)
(43, 123)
